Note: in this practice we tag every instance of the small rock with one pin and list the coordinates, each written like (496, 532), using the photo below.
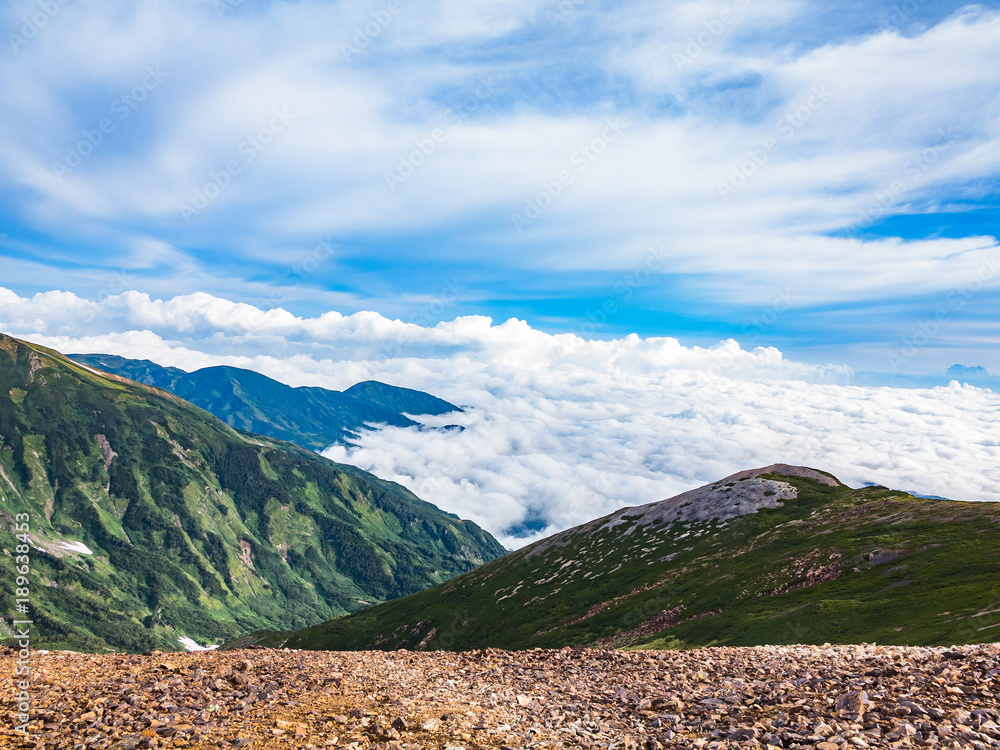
(743, 734)
(855, 703)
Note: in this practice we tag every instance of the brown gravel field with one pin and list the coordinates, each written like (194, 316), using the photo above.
(827, 698)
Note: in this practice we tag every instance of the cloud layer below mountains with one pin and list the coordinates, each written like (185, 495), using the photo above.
(557, 429)
(339, 154)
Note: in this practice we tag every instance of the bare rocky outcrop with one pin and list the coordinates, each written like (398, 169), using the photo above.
(4, 477)
(106, 450)
(737, 495)
(35, 364)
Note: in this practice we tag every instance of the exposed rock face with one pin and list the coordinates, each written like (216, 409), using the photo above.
(720, 501)
(106, 450)
(736, 495)
(828, 698)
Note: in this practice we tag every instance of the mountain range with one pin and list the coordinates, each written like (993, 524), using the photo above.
(150, 519)
(311, 417)
(781, 554)
(153, 522)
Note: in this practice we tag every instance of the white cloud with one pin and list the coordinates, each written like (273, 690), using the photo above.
(891, 96)
(558, 430)
(565, 448)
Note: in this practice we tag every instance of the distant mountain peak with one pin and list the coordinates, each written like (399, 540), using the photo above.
(309, 416)
(962, 370)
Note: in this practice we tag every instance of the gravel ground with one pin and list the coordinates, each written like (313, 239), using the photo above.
(827, 698)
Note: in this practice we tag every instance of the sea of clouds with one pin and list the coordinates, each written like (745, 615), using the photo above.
(557, 429)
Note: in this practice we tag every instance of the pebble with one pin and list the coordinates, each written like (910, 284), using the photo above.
(789, 697)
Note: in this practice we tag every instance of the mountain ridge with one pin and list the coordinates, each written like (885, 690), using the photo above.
(768, 556)
(309, 416)
(151, 519)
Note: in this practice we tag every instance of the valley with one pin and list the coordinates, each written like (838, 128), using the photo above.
(149, 520)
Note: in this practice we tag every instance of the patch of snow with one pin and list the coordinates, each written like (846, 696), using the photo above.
(192, 645)
(78, 547)
(96, 372)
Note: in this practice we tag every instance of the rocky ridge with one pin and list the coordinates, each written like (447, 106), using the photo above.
(737, 495)
(822, 698)
(806, 559)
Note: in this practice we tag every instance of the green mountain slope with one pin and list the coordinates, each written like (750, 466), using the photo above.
(399, 400)
(139, 370)
(195, 529)
(777, 555)
(314, 418)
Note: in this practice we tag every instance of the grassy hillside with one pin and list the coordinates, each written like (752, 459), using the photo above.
(194, 528)
(827, 564)
(311, 417)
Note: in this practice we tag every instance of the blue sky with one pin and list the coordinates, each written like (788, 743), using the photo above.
(820, 177)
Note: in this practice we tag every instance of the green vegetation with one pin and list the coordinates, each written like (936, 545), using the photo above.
(833, 565)
(196, 529)
(313, 418)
